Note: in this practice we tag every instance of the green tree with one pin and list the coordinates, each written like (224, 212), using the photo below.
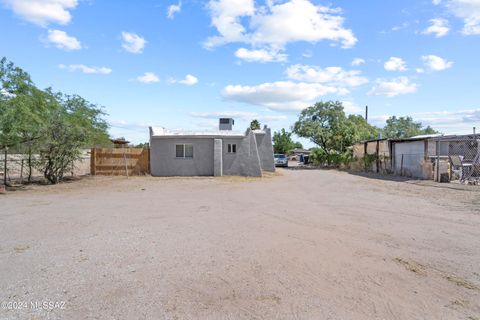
(326, 125)
(405, 127)
(142, 145)
(54, 125)
(16, 110)
(358, 129)
(255, 124)
(23, 111)
(282, 141)
(74, 124)
(298, 145)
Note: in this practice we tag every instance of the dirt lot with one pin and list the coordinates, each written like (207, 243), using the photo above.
(298, 245)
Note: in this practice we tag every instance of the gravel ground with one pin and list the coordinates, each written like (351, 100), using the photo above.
(301, 244)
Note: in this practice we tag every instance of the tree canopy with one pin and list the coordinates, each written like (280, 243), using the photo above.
(405, 127)
(283, 142)
(326, 125)
(255, 124)
(51, 124)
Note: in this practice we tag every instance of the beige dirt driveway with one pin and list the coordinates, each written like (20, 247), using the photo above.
(302, 244)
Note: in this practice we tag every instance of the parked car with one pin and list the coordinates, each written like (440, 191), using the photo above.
(281, 160)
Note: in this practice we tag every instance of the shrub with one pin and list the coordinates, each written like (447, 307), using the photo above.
(333, 159)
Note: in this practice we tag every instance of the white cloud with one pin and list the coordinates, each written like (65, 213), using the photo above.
(358, 62)
(449, 117)
(42, 12)
(402, 26)
(393, 87)
(276, 24)
(244, 115)
(439, 27)
(173, 9)
(307, 54)
(224, 114)
(395, 64)
(148, 77)
(468, 11)
(225, 15)
(351, 107)
(281, 95)
(448, 122)
(331, 75)
(271, 118)
(86, 69)
(189, 80)
(435, 63)
(62, 40)
(261, 55)
(135, 126)
(132, 42)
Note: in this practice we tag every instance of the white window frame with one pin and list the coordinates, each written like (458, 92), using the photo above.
(184, 150)
(231, 147)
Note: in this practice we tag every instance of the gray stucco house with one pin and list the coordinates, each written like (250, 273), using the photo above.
(211, 153)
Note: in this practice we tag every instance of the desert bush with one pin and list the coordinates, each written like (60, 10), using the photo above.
(332, 159)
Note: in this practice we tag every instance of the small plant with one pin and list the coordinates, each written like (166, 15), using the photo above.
(332, 159)
(368, 160)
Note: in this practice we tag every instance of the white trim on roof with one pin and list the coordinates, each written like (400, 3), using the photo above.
(162, 132)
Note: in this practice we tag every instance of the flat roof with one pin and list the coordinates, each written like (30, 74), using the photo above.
(162, 132)
(450, 137)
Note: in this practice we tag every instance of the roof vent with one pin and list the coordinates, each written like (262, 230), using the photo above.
(226, 124)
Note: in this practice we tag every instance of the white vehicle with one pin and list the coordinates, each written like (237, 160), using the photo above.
(281, 160)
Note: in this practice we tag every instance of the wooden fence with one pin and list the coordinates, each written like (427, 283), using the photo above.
(120, 161)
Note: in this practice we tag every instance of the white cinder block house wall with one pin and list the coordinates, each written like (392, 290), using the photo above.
(211, 153)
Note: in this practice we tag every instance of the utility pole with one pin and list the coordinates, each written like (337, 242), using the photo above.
(474, 131)
(366, 113)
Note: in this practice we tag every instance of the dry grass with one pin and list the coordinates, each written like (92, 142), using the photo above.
(20, 249)
(420, 269)
(413, 266)
(462, 282)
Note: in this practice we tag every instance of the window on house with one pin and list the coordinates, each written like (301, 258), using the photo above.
(189, 151)
(231, 148)
(184, 150)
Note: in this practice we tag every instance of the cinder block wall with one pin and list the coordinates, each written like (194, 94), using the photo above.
(245, 162)
(163, 161)
(265, 150)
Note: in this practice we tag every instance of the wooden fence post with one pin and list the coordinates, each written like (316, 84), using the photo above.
(148, 160)
(21, 172)
(126, 164)
(401, 166)
(92, 162)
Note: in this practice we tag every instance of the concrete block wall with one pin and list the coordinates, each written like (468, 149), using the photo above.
(245, 162)
(163, 161)
(254, 153)
(218, 158)
(265, 149)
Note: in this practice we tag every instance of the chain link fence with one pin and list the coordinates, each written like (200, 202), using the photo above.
(457, 159)
(20, 167)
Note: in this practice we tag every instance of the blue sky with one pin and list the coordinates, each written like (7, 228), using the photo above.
(184, 64)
